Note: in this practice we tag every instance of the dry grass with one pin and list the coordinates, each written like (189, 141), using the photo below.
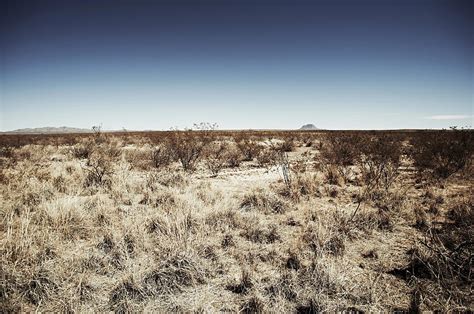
(251, 222)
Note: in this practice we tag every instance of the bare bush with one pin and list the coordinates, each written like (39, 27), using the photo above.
(341, 150)
(234, 156)
(186, 149)
(83, 150)
(99, 171)
(267, 157)
(187, 146)
(288, 145)
(443, 153)
(379, 161)
(254, 304)
(161, 157)
(216, 157)
(250, 148)
(111, 149)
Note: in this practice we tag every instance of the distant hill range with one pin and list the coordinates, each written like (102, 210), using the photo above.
(309, 127)
(50, 130)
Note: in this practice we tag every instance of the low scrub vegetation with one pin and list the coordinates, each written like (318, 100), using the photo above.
(443, 153)
(202, 220)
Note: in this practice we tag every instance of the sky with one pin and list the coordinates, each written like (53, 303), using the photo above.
(153, 65)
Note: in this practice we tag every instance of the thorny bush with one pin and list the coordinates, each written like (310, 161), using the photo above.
(379, 160)
(341, 150)
(187, 146)
(443, 153)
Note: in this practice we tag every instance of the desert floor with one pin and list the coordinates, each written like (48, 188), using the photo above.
(148, 237)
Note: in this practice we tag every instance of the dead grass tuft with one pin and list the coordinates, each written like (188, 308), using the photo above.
(263, 201)
(125, 295)
(178, 271)
(261, 234)
(244, 285)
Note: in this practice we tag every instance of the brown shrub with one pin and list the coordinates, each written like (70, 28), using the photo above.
(288, 145)
(250, 148)
(6, 152)
(161, 157)
(388, 201)
(99, 171)
(283, 286)
(267, 157)
(462, 213)
(443, 153)
(341, 149)
(227, 240)
(222, 220)
(84, 149)
(39, 287)
(168, 179)
(111, 149)
(379, 160)
(445, 256)
(60, 184)
(234, 157)
(216, 157)
(187, 147)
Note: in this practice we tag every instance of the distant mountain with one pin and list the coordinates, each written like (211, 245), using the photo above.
(50, 130)
(309, 127)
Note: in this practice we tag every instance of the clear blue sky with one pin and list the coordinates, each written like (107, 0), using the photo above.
(241, 64)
